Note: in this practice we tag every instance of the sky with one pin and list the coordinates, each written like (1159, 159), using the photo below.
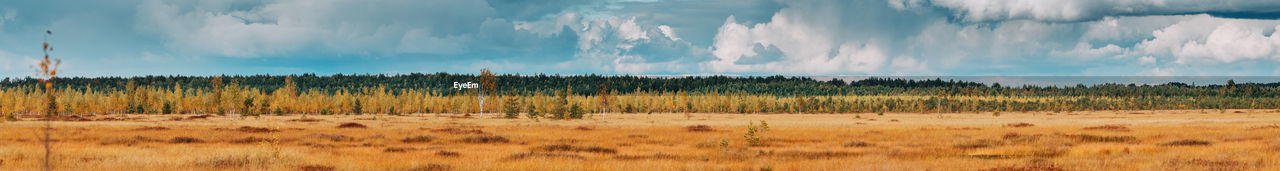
(647, 37)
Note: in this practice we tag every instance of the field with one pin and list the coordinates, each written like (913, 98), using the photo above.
(1095, 140)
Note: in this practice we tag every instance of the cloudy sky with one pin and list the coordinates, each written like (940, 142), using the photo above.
(647, 37)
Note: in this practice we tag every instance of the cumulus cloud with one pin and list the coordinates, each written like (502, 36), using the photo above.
(1204, 38)
(1085, 10)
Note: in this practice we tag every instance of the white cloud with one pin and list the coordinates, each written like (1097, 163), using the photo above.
(1145, 60)
(1081, 10)
(630, 31)
(1206, 38)
(1085, 50)
(666, 30)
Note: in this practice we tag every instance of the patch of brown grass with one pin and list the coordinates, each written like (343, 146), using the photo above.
(572, 148)
(305, 120)
(152, 128)
(352, 125)
(1264, 127)
(659, 155)
(857, 144)
(1207, 164)
(1187, 142)
(699, 128)
(814, 154)
(198, 117)
(398, 149)
(448, 153)
(527, 155)
(583, 128)
(1119, 128)
(486, 138)
(980, 143)
(418, 139)
(130, 141)
(1026, 168)
(452, 130)
(430, 167)
(1019, 125)
(333, 137)
(184, 140)
(250, 140)
(250, 129)
(1098, 138)
(315, 167)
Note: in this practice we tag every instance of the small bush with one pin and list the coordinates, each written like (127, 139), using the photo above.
(182, 140)
(511, 108)
(418, 139)
(575, 111)
(352, 125)
(1187, 142)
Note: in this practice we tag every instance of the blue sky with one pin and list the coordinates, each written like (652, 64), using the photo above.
(647, 37)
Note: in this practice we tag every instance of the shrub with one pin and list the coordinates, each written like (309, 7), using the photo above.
(393, 111)
(512, 108)
(167, 109)
(575, 111)
(533, 112)
(750, 136)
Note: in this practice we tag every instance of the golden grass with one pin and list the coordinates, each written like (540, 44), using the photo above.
(1161, 140)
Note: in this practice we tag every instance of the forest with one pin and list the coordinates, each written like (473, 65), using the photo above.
(561, 96)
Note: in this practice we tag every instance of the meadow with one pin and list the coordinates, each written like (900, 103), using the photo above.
(1079, 140)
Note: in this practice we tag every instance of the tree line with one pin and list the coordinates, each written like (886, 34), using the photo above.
(563, 96)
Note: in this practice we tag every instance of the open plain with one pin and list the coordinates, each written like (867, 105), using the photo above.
(1092, 140)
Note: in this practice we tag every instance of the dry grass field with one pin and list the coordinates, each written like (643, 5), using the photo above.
(1104, 140)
